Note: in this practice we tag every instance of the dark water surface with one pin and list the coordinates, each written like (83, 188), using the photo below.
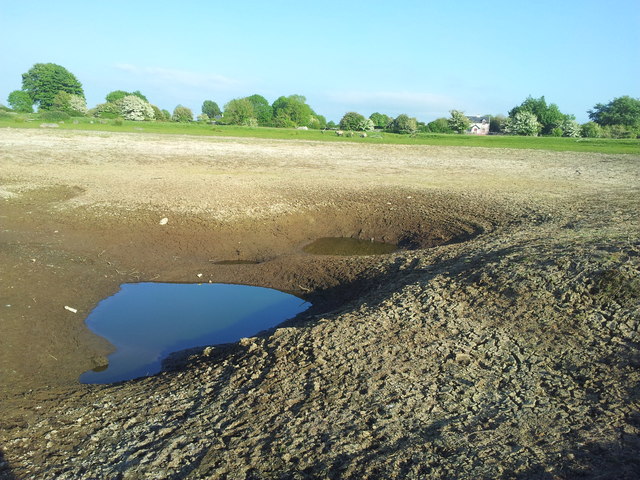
(348, 246)
(148, 321)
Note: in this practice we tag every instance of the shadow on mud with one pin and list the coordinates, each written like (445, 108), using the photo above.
(5, 470)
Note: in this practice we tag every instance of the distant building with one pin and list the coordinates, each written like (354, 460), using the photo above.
(479, 125)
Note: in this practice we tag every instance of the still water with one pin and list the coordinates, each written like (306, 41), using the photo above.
(147, 321)
(348, 246)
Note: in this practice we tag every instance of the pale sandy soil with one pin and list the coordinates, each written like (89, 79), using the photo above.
(505, 347)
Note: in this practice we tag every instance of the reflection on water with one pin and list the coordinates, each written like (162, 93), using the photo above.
(348, 246)
(148, 321)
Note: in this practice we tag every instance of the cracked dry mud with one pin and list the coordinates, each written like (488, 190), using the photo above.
(502, 342)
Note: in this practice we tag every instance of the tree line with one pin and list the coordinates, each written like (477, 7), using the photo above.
(57, 93)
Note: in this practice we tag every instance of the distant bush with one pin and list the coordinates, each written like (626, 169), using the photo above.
(118, 122)
(106, 110)
(403, 124)
(132, 107)
(353, 121)
(522, 123)
(182, 114)
(158, 114)
(557, 132)
(439, 125)
(380, 120)
(496, 123)
(54, 116)
(619, 131)
(591, 130)
(571, 128)
(74, 105)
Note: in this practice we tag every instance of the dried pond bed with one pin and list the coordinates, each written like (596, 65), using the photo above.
(513, 354)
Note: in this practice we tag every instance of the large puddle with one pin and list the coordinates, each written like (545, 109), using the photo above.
(148, 321)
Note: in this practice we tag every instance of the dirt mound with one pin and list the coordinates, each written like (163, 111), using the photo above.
(501, 342)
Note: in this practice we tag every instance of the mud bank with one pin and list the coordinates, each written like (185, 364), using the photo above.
(501, 343)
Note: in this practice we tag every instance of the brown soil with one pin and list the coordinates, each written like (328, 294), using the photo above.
(501, 342)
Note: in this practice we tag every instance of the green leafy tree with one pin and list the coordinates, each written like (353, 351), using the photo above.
(116, 95)
(404, 124)
(157, 114)
(496, 123)
(120, 94)
(211, 109)
(522, 123)
(380, 120)
(292, 111)
(458, 122)
(353, 121)
(74, 105)
(548, 116)
(240, 112)
(182, 114)
(619, 111)
(44, 80)
(20, 101)
(439, 125)
(318, 122)
(263, 111)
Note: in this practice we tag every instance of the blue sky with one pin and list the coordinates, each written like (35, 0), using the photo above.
(422, 58)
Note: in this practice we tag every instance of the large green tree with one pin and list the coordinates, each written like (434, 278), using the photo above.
(380, 120)
(548, 116)
(20, 101)
(292, 111)
(262, 110)
(619, 111)
(44, 80)
(353, 121)
(211, 109)
(239, 111)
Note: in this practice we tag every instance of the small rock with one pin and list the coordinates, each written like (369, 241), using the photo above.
(164, 221)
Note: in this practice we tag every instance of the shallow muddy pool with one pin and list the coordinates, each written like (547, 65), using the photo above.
(147, 321)
(348, 246)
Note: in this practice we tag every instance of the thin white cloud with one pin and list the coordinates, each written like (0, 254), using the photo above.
(175, 77)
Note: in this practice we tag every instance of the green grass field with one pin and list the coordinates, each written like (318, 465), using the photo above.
(597, 145)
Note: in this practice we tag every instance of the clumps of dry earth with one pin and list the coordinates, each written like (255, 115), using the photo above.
(509, 348)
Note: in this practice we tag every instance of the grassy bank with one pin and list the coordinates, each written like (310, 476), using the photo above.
(597, 145)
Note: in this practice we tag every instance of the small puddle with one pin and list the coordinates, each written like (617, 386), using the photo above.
(148, 321)
(348, 246)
